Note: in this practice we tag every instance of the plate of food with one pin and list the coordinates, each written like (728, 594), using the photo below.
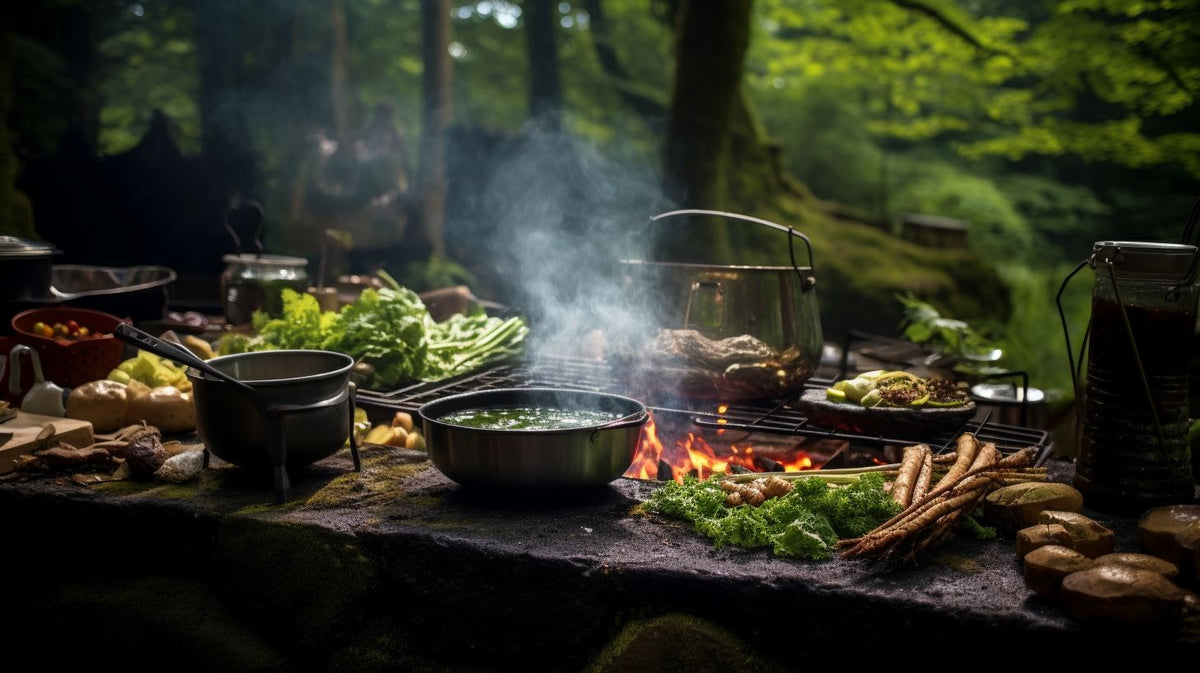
(884, 402)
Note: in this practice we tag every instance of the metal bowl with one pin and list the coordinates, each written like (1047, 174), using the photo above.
(592, 455)
(233, 427)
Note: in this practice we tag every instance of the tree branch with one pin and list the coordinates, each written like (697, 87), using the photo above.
(947, 23)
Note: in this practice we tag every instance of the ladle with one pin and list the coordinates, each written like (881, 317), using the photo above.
(132, 335)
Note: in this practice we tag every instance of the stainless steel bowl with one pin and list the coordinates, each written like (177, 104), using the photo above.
(233, 427)
(591, 455)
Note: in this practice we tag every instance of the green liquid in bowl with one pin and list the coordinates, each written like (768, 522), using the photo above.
(529, 418)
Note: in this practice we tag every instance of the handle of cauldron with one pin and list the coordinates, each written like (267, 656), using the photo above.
(235, 204)
(806, 282)
(635, 418)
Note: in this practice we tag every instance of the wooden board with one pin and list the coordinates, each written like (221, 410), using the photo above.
(25, 428)
(896, 421)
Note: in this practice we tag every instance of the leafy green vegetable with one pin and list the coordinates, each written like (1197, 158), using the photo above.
(386, 328)
(804, 523)
(302, 324)
(463, 343)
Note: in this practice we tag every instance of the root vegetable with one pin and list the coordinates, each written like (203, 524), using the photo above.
(415, 441)
(924, 478)
(1018, 506)
(166, 408)
(1046, 566)
(1121, 593)
(967, 448)
(1143, 561)
(1090, 538)
(403, 419)
(910, 469)
(1158, 527)
(378, 434)
(1041, 535)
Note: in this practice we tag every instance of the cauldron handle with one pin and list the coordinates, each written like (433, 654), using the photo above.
(806, 282)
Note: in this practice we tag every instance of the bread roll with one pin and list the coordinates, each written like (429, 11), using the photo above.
(103, 403)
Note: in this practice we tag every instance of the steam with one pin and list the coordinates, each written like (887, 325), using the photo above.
(562, 217)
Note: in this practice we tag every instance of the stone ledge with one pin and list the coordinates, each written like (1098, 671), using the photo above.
(399, 566)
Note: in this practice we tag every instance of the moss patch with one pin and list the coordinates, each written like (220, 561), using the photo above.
(381, 480)
(679, 642)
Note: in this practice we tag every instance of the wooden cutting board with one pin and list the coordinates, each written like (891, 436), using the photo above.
(25, 428)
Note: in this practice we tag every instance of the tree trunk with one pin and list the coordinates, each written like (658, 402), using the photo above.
(710, 52)
(545, 88)
(436, 81)
(339, 69)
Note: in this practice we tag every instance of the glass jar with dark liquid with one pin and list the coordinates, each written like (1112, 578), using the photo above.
(1133, 451)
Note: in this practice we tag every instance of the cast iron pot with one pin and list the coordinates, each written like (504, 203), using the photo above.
(589, 456)
(312, 388)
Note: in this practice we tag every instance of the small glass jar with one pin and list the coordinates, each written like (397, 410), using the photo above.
(1133, 451)
(252, 283)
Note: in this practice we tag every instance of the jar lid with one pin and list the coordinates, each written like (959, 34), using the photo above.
(1006, 393)
(13, 246)
(264, 260)
(1146, 258)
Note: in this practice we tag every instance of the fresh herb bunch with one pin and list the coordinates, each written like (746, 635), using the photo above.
(804, 523)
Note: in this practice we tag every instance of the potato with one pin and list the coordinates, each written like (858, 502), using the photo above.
(1018, 506)
(378, 435)
(1088, 537)
(403, 419)
(1121, 593)
(1040, 535)
(416, 441)
(1046, 566)
(399, 437)
(166, 408)
(103, 403)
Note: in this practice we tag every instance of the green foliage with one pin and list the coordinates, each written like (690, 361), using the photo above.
(804, 523)
(923, 324)
(386, 327)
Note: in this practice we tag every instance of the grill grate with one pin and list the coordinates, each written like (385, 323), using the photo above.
(780, 418)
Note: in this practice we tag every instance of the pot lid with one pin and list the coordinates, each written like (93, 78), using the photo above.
(1006, 393)
(14, 246)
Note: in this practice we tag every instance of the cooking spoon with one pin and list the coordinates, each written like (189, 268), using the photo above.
(130, 334)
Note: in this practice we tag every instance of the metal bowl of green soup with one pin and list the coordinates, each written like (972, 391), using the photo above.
(533, 437)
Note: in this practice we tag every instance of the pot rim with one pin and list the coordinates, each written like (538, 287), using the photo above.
(638, 417)
(343, 370)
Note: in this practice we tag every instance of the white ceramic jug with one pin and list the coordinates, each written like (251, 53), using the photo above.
(44, 397)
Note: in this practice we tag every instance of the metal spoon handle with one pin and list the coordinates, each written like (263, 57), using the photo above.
(132, 335)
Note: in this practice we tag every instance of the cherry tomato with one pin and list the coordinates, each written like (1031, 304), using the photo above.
(72, 326)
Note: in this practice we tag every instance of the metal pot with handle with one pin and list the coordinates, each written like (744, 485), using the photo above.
(729, 331)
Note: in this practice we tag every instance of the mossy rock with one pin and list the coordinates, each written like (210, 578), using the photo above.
(300, 583)
(157, 622)
(679, 642)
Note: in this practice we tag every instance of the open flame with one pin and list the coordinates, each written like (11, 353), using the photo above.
(691, 453)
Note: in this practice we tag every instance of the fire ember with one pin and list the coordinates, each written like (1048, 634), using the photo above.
(672, 446)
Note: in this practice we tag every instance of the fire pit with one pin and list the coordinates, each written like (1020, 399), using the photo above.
(699, 437)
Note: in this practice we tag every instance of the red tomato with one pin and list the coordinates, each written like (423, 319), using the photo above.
(72, 326)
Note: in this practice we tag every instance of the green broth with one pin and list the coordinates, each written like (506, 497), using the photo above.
(529, 418)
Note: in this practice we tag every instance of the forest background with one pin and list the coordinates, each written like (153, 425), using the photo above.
(417, 127)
